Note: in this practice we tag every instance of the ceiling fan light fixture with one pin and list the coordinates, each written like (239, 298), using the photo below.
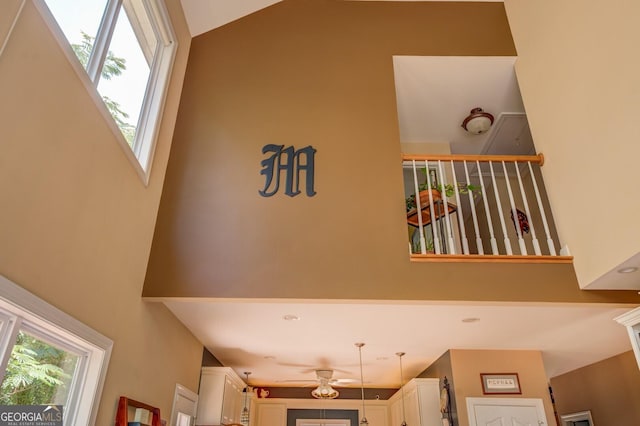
(325, 391)
(477, 122)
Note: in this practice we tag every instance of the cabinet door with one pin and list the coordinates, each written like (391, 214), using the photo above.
(229, 402)
(272, 415)
(377, 415)
(396, 412)
(411, 407)
(210, 399)
(429, 403)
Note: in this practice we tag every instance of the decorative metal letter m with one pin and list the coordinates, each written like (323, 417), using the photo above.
(291, 162)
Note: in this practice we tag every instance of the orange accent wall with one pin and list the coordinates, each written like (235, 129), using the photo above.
(318, 73)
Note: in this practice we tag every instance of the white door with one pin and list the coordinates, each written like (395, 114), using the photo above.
(184, 409)
(506, 412)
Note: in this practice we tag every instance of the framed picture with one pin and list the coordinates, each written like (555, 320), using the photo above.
(500, 383)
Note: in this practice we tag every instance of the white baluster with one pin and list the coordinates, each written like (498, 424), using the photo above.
(463, 232)
(534, 240)
(514, 211)
(435, 235)
(492, 238)
(445, 206)
(552, 247)
(473, 210)
(423, 244)
(507, 241)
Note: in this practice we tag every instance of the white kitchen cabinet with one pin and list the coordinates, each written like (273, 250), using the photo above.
(421, 403)
(271, 414)
(220, 398)
(377, 415)
(631, 320)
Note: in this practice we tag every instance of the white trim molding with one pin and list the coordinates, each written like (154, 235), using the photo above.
(24, 310)
(631, 320)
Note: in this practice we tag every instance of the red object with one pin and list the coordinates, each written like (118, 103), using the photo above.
(523, 221)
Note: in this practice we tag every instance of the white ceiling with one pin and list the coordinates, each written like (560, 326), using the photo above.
(434, 94)
(254, 336)
(205, 15)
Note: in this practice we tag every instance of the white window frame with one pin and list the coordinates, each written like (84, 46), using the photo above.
(147, 128)
(20, 309)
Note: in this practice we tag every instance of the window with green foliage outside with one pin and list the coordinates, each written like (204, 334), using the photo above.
(126, 48)
(37, 373)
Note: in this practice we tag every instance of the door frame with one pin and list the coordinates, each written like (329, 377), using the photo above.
(505, 402)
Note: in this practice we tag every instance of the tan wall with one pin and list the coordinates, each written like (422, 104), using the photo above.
(578, 77)
(610, 389)
(317, 73)
(10, 9)
(468, 364)
(77, 221)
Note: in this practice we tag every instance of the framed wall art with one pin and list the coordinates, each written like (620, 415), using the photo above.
(500, 383)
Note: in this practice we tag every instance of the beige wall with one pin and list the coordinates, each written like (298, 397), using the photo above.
(578, 75)
(610, 389)
(77, 221)
(469, 364)
(318, 73)
(10, 9)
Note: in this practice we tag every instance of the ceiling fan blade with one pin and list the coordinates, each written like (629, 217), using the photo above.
(344, 381)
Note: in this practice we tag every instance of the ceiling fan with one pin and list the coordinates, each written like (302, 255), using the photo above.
(324, 390)
(324, 377)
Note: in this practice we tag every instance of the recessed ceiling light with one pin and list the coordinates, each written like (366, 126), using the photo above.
(470, 319)
(291, 317)
(627, 270)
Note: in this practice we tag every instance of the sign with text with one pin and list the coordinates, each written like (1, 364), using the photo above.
(500, 383)
(30, 415)
(291, 163)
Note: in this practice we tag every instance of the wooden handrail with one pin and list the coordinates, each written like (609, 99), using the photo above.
(536, 159)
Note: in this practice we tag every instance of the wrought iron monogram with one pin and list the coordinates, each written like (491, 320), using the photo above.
(292, 162)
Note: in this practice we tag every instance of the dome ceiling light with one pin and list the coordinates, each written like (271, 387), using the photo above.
(477, 122)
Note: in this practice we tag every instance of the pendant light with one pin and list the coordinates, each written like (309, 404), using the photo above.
(244, 415)
(400, 355)
(364, 421)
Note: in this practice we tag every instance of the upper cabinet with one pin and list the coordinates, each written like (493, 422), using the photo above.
(220, 397)
(421, 403)
(271, 414)
(632, 321)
